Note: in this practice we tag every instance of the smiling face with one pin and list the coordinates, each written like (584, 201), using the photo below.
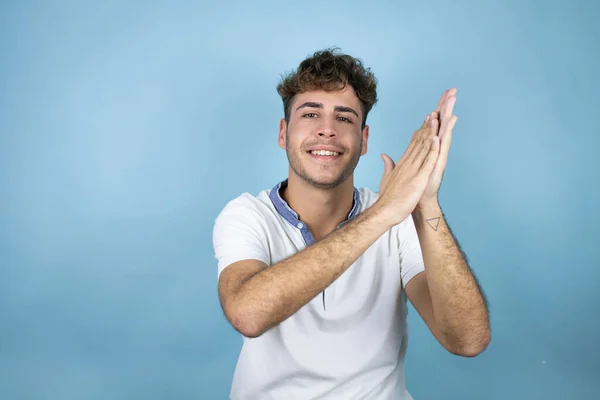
(324, 138)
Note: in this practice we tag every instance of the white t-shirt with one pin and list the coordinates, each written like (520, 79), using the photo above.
(349, 342)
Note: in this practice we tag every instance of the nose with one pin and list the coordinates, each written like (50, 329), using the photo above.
(326, 131)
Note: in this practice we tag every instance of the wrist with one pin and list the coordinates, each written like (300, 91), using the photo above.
(387, 216)
(381, 216)
(428, 209)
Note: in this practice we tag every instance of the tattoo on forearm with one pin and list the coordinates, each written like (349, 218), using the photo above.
(433, 223)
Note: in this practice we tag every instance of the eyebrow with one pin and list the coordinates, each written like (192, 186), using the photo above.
(311, 104)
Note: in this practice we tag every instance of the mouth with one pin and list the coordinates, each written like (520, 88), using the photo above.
(326, 156)
(325, 153)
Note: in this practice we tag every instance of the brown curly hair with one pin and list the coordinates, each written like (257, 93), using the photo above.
(330, 70)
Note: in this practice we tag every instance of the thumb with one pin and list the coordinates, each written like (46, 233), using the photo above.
(388, 164)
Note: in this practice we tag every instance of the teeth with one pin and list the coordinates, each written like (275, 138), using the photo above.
(324, 153)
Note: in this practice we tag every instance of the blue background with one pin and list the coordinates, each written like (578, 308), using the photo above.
(125, 127)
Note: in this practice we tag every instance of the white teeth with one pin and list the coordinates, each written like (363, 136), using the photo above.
(324, 153)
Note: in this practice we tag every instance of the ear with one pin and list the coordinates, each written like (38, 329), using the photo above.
(365, 139)
(281, 139)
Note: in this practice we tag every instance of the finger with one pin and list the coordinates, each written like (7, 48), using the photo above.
(447, 139)
(444, 98)
(441, 101)
(417, 138)
(432, 156)
(442, 160)
(446, 116)
(448, 107)
(435, 125)
(426, 121)
(424, 143)
(388, 164)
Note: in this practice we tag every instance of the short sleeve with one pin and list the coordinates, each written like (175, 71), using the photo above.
(239, 234)
(411, 256)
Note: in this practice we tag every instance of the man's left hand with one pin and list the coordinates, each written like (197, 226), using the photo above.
(446, 123)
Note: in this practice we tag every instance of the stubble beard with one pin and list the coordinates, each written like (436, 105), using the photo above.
(300, 171)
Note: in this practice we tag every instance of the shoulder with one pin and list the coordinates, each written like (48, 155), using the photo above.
(247, 213)
(248, 206)
(240, 231)
(244, 219)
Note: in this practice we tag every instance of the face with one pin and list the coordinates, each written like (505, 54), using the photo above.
(324, 139)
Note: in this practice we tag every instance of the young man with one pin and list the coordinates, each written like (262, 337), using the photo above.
(315, 273)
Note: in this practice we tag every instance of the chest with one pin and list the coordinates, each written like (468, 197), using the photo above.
(372, 282)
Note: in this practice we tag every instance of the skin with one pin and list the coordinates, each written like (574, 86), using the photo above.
(322, 192)
(446, 295)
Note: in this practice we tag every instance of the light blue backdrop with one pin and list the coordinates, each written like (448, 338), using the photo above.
(125, 127)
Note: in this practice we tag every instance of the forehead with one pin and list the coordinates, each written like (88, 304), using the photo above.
(330, 99)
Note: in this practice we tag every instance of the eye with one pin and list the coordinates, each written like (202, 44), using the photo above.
(345, 119)
(310, 115)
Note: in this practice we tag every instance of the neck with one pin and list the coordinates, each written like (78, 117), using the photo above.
(322, 210)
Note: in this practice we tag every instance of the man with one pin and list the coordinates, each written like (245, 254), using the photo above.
(315, 273)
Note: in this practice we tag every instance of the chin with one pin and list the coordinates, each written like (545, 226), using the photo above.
(324, 182)
(322, 177)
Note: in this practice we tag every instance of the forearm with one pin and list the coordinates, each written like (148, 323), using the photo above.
(277, 292)
(459, 305)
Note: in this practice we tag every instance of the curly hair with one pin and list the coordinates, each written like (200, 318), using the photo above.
(329, 70)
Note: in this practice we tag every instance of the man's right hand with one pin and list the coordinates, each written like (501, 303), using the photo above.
(403, 183)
